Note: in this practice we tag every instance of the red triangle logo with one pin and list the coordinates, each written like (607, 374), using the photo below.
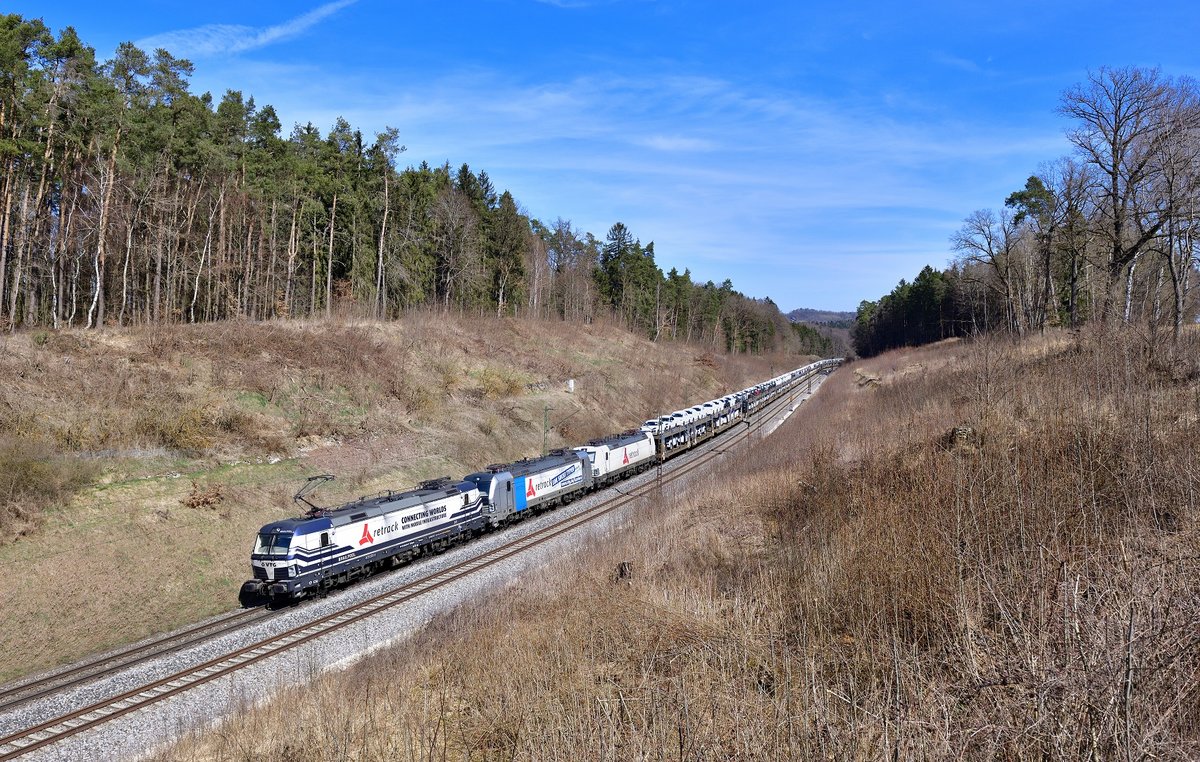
(626, 461)
(366, 538)
(529, 488)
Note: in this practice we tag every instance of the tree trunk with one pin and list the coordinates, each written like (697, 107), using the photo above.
(18, 265)
(96, 313)
(1129, 289)
(329, 260)
(316, 256)
(6, 227)
(125, 272)
(293, 244)
(380, 292)
(204, 252)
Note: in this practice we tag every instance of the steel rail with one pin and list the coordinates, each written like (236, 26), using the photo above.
(17, 693)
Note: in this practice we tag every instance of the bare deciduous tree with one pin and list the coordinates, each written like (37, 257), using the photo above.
(1122, 118)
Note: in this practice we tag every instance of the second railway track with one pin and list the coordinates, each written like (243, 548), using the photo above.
(86, 671)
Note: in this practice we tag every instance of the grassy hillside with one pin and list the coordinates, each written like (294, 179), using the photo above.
(966, 551)
(138, 464)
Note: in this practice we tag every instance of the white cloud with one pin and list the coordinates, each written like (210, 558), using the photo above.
(224, 39)
(956, 62)
(675, 143)
(571, 4)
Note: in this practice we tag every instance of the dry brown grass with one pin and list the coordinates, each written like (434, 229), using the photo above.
(1032, 583)
(198, 435)
(991, 553)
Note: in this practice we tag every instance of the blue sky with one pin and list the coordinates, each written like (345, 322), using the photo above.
(812, 152)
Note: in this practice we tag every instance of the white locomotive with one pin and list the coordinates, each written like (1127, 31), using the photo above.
(323, 548)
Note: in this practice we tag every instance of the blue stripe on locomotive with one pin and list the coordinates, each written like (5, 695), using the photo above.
(520, 499)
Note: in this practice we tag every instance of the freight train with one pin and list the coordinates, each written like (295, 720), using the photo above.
(326, 548)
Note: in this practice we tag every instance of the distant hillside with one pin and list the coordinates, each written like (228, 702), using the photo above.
(834, 326)
(821, 317)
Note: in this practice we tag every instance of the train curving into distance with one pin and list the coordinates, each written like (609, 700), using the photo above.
(328, 547)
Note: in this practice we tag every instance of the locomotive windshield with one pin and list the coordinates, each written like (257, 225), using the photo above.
(482, 481)
(273, 544)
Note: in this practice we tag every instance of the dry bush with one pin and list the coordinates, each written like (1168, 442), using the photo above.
(33, 478)
(500, 383)
(1029, 593)
(208, 497)
(184, 430)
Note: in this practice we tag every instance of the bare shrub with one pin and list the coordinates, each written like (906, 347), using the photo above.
(32, 478)
(497, 383)
(231, 419)
(185, 429)
(1016, 597)
(210, 496)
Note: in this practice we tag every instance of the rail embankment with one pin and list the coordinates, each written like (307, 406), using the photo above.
(988, 551)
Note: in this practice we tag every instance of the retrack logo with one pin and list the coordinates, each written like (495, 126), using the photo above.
(366, 538)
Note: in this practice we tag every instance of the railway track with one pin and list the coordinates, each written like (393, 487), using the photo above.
(17, 694)
(100, 712)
